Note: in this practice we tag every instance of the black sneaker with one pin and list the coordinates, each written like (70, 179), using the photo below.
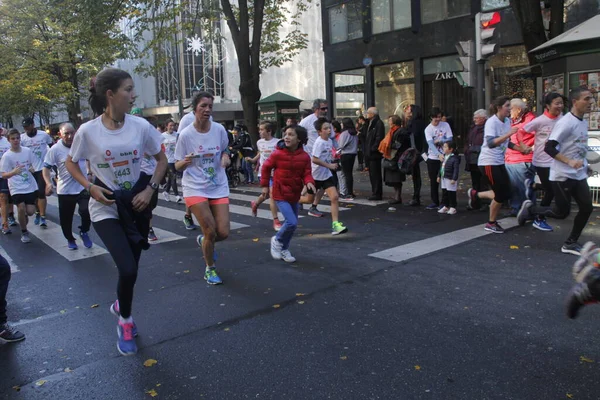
(413, 203)
(10, 335)
(571, 248)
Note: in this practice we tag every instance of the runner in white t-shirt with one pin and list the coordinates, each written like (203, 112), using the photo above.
(5, 201)
(265, 145)
(202, 154)
(169, 140)
(70, 192)
(16, 166)
(114, 143)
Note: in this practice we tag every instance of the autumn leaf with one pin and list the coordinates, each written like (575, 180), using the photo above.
(40, 383)
(63, 311)
(255, 240)
(68, 369)
(418, 367)
(343, 357)
(227, 329)
(187, 271)
(569, 395)
(299, 294)
(152, 393)
(276, 306)
(17, 388)
(301, 302)
(150, 362)
(95, 305)
(585, 359)
(513, 247)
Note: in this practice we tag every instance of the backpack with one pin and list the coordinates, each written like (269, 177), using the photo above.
(408, 160)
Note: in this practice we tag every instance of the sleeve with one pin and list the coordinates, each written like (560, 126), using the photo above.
(49, 140)
(560, 132)
(379, 136)
(266, 168)
(489, 134)
(531, 126)
(4, 164)
(456, 168)
(307, 175)
(49, 160)
(448, 132)
(79, 147)
(180, 151)
(224, 140)
(152, 140)
(344, 140)
(316, 150)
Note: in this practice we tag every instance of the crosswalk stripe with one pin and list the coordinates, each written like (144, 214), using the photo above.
(437, 243)
(13, 267)
(165, 236)
(176, 215)
(362, 202)
(264, 214)
(245, 197)
(52, 236)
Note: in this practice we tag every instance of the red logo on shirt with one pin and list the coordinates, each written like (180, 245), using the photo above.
(217, 148)
(108, 153)
(135, 152)
(200, 147)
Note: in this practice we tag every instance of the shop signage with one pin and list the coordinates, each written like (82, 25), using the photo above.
(268, 112)
(445, 75)
(547, 55)
(289, 111)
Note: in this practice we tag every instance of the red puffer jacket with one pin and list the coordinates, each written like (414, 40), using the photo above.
(292, 172)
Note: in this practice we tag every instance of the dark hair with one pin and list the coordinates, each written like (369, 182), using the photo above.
(161, 126)
(435, 111)
(269, 126)
(396, 120)
(575, 94)
(417, 113)
(550, 97)
(362, 117)
(497, 104)
(337, 127)
(348, 125)
(199, 96)
(317, 103)
(300, 132)
(108, 79)
(320, 122)
(13, 131)
(452, 145)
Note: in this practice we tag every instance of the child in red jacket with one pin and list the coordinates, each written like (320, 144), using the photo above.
(292, 171)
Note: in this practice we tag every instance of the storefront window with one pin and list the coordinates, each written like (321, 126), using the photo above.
(394, 88)
(510, 77)
(442, 64)
(390, 15)
(345, 21)
(437, 10)
(349, 93)
(487, 5)
(591, 80)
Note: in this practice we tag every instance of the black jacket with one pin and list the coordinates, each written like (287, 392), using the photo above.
(417, 129)
(451, 169)
(244, 144)
(375, 134)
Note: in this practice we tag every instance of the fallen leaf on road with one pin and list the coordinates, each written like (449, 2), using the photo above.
(299, 294)
(513, 247)
(95, 305)
(187, 271)
(343, 357)
(227, 329)
(569, 395)
(40, 383)
(585, 359)
(592, 223)
(63, 311)
(276, 306)
(301, 302)
(150, 362)
(17, 388)
(68, 369)
(255, 240)
(158, 384)
(418, 367)
(152, 393)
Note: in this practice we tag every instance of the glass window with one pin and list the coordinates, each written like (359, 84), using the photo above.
(437, 10)
(345, 22)
(487, 5)
(389, 15)
(508, 77)
(349, 93)
(442, 64)
(394, 88)
(591, 80)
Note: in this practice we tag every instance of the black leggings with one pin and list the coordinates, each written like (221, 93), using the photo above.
(476, 177)
(416, 177)
(66, 210)
(347, 162)
(544, 174)
(125, 254)
(449, 198)
(564, 192)
(172, 179)
(433, 169)
(4, 279)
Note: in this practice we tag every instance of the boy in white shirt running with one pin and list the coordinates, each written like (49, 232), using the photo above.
(266, 145)
(17, 166)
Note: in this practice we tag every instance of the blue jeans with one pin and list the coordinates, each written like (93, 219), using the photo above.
(517, 174)
(290, 213)
(248, 171)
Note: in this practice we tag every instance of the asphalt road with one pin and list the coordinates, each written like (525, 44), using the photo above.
(477, 320)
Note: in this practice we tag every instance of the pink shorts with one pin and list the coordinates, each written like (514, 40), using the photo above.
(193, 200)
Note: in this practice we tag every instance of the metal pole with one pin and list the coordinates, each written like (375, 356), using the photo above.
(480, 84)
(178, 70)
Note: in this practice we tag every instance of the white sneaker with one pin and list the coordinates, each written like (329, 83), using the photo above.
(287, 256)
(443, 210)
(276, 249)
(25, 237)
(451, 211)
(166, 196)
(178, 200)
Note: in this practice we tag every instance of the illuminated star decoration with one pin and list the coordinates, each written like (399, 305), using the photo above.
(195, 45)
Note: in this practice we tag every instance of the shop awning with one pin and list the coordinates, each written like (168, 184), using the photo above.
(583, 38)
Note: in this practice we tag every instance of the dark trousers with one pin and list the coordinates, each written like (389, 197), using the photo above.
(433, 170)
(125, 254)
(375, 176)
(544, 174)
(564, 192)
(476, 177)
(172, 179)
(66, 210)
(449, 198)
(4, 279)
(347, 162)
(416, 178)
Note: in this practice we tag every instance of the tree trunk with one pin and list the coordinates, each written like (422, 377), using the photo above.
(250, 94)
(529, 17)
(557, 17)
(74, 105)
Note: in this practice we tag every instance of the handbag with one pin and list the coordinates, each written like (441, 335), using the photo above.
(391, 165)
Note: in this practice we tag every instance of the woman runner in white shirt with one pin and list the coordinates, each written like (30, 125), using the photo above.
(114, 144)
(202, 154)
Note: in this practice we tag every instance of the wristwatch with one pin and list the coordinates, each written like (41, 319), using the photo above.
(154, 186)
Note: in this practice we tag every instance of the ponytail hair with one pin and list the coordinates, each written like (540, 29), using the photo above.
(497, 104)
(108, 79)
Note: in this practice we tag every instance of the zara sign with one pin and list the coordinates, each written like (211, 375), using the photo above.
(445, 75)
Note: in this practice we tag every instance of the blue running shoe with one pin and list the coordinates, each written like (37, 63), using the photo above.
(126, 343)
(85, 238)
(37, 219)
(43, 222)
(542, 225)
(199, 240)
(211, 277)
(12, 221)
(72, 245)
(114, 310)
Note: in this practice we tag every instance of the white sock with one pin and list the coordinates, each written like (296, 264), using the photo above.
(125, 320)
(210, 267)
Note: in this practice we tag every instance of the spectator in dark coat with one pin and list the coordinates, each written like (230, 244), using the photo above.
(416, 125)
(375, 134)
(473, 148)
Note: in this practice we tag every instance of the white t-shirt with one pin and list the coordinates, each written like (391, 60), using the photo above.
(322, 149)
(149, 163)
(205, 177)
(265, 148)
(24, 182)
(542, 126)
(571, 133)
(308, 123)
(115, 156)
(169, 140)
(39, 147)
(4, 146)
(494, 128)
(56, 157)
(440, 133)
